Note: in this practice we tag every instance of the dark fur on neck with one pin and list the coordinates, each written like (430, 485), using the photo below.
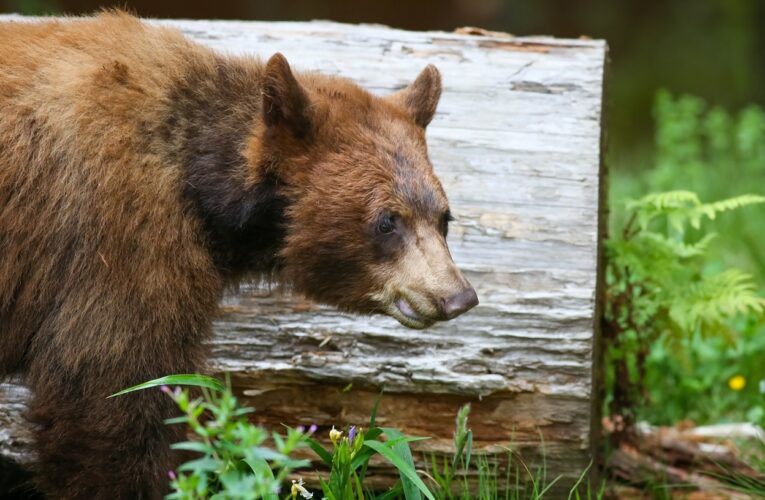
(211, 115)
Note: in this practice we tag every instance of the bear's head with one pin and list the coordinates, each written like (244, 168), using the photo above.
(366, 217)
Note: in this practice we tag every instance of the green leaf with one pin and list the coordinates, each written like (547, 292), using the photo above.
(403, 439)
(362, 458)
(373, 417)
(359, 488)
(373, 433)
(322, 452)
(177, 420)
(468, 449)
(193, 446)
(402, 450)
(391, 494)
(401, 465)
(328, 494)
(187, 379)
(267, 454)
(261, 467)
(203, 464)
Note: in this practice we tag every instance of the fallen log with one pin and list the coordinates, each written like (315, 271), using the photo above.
(517, 144)
(683, 459)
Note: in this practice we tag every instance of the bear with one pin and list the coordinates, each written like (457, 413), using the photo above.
(141, 176)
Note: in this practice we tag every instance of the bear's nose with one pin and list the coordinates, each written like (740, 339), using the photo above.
(459, 303)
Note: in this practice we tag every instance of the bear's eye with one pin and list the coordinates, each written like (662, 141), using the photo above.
(386, 224)
(445, 220)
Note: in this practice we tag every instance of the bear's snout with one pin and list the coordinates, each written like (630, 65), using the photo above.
(459, 303)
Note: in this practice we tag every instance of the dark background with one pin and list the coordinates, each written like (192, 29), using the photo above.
(711, 48)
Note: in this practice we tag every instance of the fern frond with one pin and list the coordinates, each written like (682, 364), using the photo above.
(673, 204)
(684, 207)
(667, 199)
(678, 248)
(712, 209)
(715, 299)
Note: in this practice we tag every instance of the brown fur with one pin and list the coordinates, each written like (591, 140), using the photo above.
(140, 174)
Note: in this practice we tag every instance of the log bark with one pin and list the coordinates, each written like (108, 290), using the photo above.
(704, 460)
(517, 144)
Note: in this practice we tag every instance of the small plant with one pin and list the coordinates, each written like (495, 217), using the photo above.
(452, 478)
(445, 473)
(234, 462)
(348, 461)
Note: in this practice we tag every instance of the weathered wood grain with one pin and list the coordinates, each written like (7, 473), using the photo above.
(517, 145)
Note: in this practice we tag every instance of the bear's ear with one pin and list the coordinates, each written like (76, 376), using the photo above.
(285, 103)
(421, 97)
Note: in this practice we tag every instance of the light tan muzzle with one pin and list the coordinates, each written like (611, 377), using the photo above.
(426, 285)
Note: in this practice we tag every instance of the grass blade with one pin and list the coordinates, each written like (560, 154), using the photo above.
(359, 489)
(401, 449)
(374, 410)
(401, 465)
(362, 458)
(468, 449)
(391, 494)
(575, 488)
(185, 379)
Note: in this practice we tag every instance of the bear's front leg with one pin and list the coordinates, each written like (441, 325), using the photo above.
(90, 446)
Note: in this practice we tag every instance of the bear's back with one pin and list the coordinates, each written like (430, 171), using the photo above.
(87, 201)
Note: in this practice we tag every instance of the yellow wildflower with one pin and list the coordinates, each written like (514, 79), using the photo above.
(334, 435)
(737, 383)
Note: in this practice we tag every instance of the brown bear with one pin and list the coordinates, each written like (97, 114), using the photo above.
(140, 175)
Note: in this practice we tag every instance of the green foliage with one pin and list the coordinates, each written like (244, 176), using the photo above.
(33, 7)
(683, 314)
(661, 294)
(689, 379)
(348, 461)
(233, 461)
(509, 479)
(716, 154)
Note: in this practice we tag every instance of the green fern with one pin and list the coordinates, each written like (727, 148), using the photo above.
(658, 289)
(666, 200)
(683, 208)
(715, 299)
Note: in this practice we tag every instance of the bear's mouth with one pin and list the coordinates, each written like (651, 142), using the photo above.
(407, 310)
(407, 315)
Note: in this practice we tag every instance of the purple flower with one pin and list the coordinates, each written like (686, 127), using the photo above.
(172, 475)
(165, 389)
(312, 429)
(352, 433)
(300, 429)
